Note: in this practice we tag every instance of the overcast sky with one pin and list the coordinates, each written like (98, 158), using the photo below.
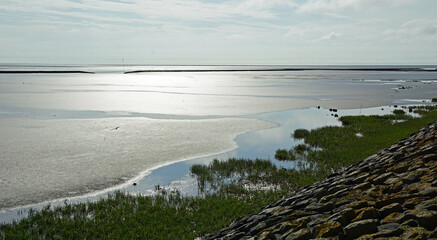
(219, 31)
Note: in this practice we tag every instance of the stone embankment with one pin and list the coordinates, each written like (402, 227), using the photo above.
(390, 195)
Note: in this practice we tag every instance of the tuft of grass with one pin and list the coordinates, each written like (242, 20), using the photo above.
(434, 100)
(284, 155)
(300, 133)
(301, 148)
(398, 112)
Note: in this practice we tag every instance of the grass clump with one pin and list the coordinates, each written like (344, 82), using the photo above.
(301, 148)
(398, 112)
(434, 100)
(284, 155)
(243, 174)
(300, 133)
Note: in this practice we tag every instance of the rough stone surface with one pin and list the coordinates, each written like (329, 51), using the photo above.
(390, 195)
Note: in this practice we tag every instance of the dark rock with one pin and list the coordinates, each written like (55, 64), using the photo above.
(388, 227)
(356, 229)
(415, 233)
(362, 186)
(321, 218)
(412, 202)
(429, 192)
(400, 168)
(389, 209)
(381, 179)
(302, 222)
(429, 157)
(367, 213)
(284, 227)
(358, 204)
(303, 234)
(395, 199)
(339, 218)
(321, 207)
(433, 234)
(428, 205)
(427, 219)
(235, 236)
(410, 223)
(265, 236)
(389, 230)
(328, 229)
(395, 218)
(256, 229)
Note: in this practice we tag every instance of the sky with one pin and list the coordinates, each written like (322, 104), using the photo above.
(219, 31)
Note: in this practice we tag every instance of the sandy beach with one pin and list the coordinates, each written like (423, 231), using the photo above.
(66, 135)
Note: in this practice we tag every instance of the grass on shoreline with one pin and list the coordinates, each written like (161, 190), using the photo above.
(228, 188)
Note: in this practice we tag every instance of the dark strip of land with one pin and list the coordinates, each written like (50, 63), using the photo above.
(28, 72)
(286, 69)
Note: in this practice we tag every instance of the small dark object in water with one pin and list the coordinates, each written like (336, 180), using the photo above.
(334, 110)
(410, 110)
(336, 115)
(382, 109)
(395, 106)
(330, 109)
(134, 184)
(318, 107)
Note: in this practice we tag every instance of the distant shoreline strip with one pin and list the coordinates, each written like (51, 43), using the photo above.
(29, 72)
(287, 69)
(227, 70)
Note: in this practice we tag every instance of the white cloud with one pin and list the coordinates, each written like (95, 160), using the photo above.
(420, 27)
(423, 29)
(266, 4)
(332, 36)
(337, 5)
(297, 31)
(338, 16)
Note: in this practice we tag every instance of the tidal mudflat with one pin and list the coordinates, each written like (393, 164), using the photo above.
(65, 135)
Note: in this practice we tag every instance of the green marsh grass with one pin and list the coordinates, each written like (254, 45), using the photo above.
(236, 188)
(284, 154)
(300, 133)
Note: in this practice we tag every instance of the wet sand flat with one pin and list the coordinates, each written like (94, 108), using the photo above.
(48, 159)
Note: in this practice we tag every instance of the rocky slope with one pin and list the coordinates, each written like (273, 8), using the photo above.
(390, 195)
